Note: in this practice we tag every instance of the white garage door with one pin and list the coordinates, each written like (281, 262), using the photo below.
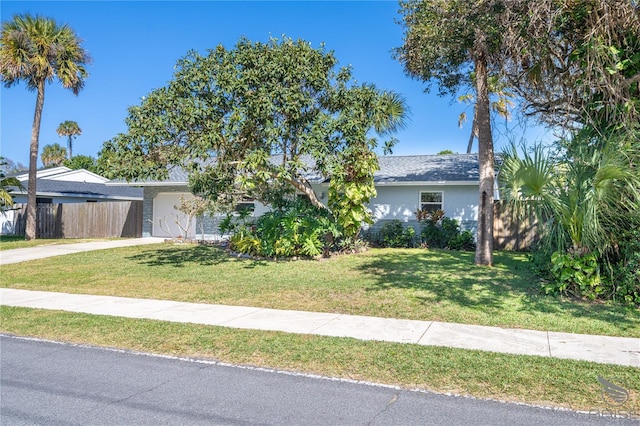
(168, 221)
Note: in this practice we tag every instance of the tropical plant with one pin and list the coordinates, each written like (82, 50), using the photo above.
(70, 129)
(36, 50)
(582, 199)
(587, 201)
(297, 229)
(394, 234)
(439, 231)
(6, 200)
(576, 63)
(53, 155)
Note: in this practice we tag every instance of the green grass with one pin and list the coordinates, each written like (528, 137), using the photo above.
(527, 379)
(410, 283)
(10, 242)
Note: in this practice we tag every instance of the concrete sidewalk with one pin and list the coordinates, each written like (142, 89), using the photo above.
(600, 349)
(41, 252)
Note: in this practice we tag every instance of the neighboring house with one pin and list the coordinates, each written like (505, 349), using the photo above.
(404, 185)
(62, 185)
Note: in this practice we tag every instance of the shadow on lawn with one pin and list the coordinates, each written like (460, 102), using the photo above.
(188, 255)
(449, 276)
(437, 276)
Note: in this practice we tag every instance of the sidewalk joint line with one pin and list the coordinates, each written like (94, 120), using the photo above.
(425, 332)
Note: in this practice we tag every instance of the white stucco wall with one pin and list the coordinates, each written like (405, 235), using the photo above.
(392, 202)
(401, 202)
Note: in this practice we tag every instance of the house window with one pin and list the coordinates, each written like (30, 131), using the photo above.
(431, 201)
(244, 206)
(42, 200)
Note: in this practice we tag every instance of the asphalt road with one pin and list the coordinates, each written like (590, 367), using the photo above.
(61, 384)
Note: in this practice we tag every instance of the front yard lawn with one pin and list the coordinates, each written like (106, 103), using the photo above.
(402, 283)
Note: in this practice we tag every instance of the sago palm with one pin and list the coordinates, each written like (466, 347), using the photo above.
(37, 50)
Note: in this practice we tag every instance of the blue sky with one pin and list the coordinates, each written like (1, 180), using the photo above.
(135, 45)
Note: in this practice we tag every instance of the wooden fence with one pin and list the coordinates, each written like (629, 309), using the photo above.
(512, 230)
(84, 220)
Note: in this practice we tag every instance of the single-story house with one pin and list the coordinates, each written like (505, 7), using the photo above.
(62, 185)
(404, 185)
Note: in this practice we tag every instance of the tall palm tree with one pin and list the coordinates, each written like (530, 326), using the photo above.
(36, 50)
(500, 104)
(70, 129)
(53, 155)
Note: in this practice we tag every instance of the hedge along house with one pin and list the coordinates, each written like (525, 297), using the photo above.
(404, 184)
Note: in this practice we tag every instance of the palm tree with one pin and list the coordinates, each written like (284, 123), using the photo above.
(583, 201)
(499, 105)
(53, 155)
(70, 129)
(36, 50)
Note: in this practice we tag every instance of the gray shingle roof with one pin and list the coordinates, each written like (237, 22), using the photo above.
(428, 168)
(410, 168)
(85, 189)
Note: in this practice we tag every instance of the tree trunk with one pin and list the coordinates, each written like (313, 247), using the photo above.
(309, 192)
(69, 146)
(474, 129)
(484, 248)
(31, 225)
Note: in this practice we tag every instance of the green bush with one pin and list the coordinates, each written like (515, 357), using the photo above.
(623, 283)
(462, 241)
(575, 274)
(295, 229)
(443, 232)
(394, 234)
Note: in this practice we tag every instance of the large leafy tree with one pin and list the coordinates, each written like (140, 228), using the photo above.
(86, 162)
(268, 115)
(70, 129)
(576, 64)
(448, 41)
(53, 155)
(37, 50)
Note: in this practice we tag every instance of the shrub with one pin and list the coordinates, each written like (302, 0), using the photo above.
(394, 234)
(623, 283)
(576, 274)
(463, 241)
(442, 232)
(295, 229)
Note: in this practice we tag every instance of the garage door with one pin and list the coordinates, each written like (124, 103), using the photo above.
(168, 221)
